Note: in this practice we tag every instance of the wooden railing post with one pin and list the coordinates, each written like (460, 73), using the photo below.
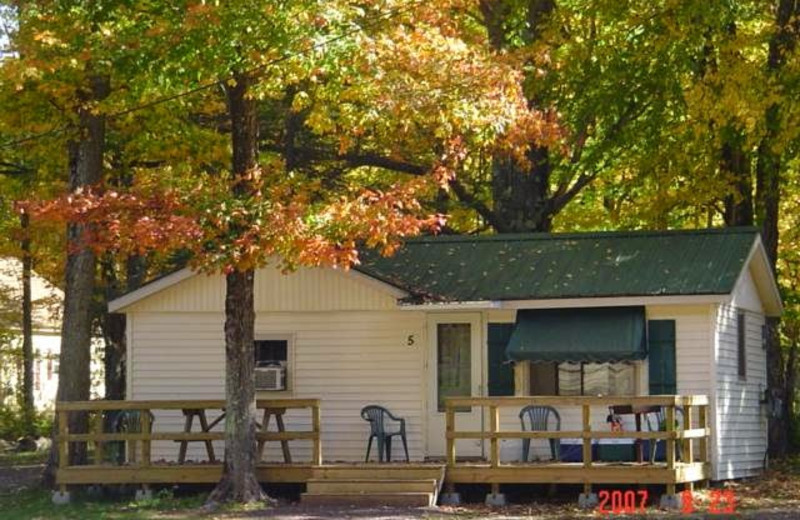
(703, 447)
(450, 429)
(316, 426)
(688, 444)
(98, 444)
(494, 426)
(671, 442)
(63, 444)
(146, 426)
(587, 436)
(587, 445)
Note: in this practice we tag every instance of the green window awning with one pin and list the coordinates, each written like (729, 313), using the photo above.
(595, 335)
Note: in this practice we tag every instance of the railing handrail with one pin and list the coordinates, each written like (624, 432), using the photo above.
(144, 438)
(176, 404)
(682, 434)
(633, 400)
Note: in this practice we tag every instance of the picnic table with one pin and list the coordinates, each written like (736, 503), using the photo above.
(205, 427)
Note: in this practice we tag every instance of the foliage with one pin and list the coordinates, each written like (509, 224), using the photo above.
(13, 424)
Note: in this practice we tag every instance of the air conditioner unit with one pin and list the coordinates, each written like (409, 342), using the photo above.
(271, 378)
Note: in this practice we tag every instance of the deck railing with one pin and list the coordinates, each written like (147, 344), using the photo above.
(684, 432)
(140, 442)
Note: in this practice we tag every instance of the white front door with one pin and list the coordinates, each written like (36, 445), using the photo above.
(455, 369)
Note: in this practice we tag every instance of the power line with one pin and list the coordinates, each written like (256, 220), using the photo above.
(211, 84)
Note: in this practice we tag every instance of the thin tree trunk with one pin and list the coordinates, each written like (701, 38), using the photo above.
(239, 482)
(74, 374)
(28, 402)
(113, 325)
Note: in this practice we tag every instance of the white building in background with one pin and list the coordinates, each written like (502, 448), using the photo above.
(47, 301)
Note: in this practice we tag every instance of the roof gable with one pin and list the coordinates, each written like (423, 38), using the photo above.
(551, 266)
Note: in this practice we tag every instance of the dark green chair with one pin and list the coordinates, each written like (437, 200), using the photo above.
(538, 419)
(382, 427)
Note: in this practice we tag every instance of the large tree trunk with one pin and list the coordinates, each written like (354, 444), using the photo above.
(239, 482)
(768, 180)
(28, 403)
(521, 197)
(735, 165)
(74, 373)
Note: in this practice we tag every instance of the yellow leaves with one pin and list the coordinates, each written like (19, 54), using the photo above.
(46, 37)
(301, 101)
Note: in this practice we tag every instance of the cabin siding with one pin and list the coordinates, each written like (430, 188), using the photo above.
(348, 360)
(741, 422)
(308, 289)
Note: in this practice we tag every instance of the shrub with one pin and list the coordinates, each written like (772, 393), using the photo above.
(13, 424)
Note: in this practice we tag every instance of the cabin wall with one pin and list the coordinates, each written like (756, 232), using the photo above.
(741, 420)
(348, 346)
(347, 359)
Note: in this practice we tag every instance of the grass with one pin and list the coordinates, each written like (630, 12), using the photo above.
(36, 504)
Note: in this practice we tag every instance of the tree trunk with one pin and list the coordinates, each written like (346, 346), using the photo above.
(28, 403)
(74, 374)
(768, 180)
(239, 482)
(113, 325)
(521, 197)
(735, 165)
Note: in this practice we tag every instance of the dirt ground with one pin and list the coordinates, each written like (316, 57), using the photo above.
(17, 478)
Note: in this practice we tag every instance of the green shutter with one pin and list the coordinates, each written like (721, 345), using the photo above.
(501, 372)
(661, 341)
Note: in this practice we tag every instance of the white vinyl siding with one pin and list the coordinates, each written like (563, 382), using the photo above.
(307, 289)
(742, 422)
(347, 359)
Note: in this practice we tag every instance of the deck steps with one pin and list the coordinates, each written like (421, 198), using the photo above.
(395, 485)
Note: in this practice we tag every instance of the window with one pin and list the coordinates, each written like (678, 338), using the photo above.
(273, 352)
(583, 379)
(453, 362)
(741, 344)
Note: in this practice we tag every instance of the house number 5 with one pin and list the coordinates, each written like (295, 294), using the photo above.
(411, 340)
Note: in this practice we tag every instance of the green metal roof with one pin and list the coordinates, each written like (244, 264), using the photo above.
(548, 266)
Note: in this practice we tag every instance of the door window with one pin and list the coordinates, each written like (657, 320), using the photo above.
(453, 362)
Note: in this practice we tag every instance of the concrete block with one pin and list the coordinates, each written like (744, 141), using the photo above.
(496, 499)
(60, 498)
(670, 501)
(450, 499)
(143, 494)
(588, 500)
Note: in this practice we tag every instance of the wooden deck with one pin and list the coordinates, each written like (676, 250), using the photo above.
(139, 468)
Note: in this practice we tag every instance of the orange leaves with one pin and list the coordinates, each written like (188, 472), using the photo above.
(278, 223)
(133, 222)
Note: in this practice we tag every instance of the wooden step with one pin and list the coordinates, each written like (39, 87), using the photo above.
(379, 472)
(366, 486)
(371, 499)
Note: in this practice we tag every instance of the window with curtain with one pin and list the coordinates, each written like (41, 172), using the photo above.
(583, 379)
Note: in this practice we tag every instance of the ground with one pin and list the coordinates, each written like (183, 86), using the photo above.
(775, 496)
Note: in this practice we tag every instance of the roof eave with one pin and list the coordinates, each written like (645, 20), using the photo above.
(760, 268)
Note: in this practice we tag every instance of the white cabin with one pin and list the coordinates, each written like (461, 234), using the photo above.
(435, 320)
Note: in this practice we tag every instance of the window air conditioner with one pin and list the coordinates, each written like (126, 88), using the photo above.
(271, 378)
